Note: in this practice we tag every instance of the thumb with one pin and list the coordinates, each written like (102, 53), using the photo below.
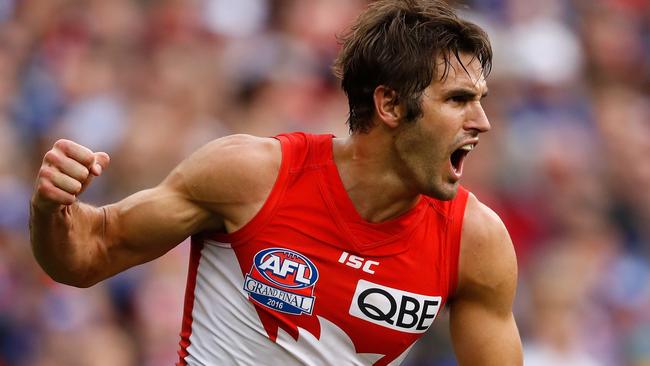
(101, 162)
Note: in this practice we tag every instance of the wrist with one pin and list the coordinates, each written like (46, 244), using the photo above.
(44, 207)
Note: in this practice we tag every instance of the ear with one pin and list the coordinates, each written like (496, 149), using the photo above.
(387, 106)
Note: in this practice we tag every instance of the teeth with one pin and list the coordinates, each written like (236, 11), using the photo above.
(468, 147)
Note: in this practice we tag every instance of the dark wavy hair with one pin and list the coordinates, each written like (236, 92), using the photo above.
(396, 43)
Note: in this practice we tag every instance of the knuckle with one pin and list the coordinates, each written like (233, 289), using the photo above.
(46, 191)
(45, 172)
(45, 186)
(42, 190)
(51, 156)
(61, 144)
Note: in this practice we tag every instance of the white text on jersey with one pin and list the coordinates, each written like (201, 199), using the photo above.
(358, 262)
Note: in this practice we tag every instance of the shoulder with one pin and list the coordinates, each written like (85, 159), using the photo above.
(232, 169)
(239, 148)
(487, 261)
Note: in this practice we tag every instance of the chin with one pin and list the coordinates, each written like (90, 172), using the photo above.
(444, 192)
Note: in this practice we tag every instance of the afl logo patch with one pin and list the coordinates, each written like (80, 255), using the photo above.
(283, 280)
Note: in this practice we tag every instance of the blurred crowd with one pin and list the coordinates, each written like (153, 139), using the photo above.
(149, 81)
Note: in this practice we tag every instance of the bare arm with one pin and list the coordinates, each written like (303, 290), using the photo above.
(483, 328)
(80, 245)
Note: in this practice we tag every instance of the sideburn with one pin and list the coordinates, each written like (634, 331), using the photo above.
(407, 147)
(413, 108)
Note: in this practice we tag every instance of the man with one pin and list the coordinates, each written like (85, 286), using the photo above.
(312, 249)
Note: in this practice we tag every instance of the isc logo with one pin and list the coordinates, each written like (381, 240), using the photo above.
(394, 309)
(358, 262)
(283, 280)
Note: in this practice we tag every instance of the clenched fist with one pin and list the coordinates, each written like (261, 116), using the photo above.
(67, 169)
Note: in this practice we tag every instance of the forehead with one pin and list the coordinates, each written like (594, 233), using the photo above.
(466, 73)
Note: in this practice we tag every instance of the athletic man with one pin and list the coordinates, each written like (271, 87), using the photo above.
(312, 249)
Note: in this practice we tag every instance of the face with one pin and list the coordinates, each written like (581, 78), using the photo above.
(432, 150)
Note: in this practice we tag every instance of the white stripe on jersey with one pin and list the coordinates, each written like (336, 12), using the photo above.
(226, 329)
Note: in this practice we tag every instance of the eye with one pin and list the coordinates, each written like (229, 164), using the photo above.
(459, 99)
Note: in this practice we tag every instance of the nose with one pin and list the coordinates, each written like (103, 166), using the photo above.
(477, 119)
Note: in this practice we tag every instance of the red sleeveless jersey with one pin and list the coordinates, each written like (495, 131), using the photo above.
(309, 281)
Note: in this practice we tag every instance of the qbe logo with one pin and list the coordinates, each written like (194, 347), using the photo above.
(394, 309)
(283, 280)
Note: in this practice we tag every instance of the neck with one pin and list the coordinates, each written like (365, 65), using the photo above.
(370, 175)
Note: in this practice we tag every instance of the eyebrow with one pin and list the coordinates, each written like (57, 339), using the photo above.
(464, 92)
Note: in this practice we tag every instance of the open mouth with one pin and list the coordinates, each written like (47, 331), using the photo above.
(458, 158)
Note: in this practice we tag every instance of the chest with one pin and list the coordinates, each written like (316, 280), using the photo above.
(380, 300)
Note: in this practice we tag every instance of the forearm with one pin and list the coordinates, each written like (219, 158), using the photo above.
(67, 242)
(80, 245)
